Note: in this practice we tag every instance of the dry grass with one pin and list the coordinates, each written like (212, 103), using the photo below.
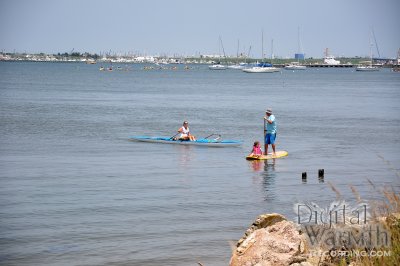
(389, 209)
(338, 195)
(386, 212)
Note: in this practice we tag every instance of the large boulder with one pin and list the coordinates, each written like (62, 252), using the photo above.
(270, 240)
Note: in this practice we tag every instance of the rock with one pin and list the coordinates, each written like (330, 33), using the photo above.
(304, 263)
(270, 240)
(262, 221)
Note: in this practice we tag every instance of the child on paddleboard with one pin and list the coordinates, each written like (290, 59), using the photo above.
(256, 151)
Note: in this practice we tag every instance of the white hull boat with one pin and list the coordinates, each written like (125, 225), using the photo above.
(367, 68)
(217, 67)
(238, 67)
(257, 69)
(295, 67)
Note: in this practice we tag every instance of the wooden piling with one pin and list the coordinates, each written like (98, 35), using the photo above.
(304, 177)
(321, 175)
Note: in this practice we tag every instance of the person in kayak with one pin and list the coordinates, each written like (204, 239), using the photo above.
(185, 132)
(256, 151)
(270, 128)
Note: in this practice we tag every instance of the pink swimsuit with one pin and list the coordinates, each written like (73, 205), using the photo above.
(257, 151)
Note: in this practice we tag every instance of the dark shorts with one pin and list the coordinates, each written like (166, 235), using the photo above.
(270, 138)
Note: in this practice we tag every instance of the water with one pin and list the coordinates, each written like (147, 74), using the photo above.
(75, 191)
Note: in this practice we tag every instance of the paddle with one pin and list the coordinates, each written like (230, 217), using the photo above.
(174, 135)
(217, 138)
(265, 130)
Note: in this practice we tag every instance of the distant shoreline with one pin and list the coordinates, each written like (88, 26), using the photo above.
(205, 60)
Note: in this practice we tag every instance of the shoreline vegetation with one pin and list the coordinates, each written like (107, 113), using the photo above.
(202, 59)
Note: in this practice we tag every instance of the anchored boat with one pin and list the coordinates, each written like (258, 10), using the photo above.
(295, 66)
(368, 67)
(262, 68)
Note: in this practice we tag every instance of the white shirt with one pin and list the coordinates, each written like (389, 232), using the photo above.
(184, 132)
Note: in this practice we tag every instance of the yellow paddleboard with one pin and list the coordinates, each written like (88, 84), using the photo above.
(278, 154)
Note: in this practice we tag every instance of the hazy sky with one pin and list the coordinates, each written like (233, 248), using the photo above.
(191, 27)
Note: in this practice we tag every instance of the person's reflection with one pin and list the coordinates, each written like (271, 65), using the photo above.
(268, 179)
(186, 155)
(185, 164)
(256, 165)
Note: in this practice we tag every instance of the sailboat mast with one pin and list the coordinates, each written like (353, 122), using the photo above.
(223, 50)
(272, 49)
(298, 43)
(248, 54)
(262, 45)
(219, 46)
(237, 53)
(376, 43)
(370, 49)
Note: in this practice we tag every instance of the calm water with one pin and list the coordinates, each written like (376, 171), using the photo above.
(75, 191)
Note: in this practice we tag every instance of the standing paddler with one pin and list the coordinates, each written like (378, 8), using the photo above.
(269, 130)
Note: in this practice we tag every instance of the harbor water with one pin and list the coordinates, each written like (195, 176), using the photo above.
(75, 191)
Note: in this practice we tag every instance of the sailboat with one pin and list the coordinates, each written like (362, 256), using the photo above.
(237, 66)
(218, 65)
(368, 67)
(262, 67)
(296, 65)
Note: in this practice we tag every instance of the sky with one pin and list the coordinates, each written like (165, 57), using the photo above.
(185, 27)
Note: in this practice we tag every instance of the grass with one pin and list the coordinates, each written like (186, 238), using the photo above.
(387, 213)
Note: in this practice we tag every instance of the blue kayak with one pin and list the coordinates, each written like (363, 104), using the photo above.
(200, 142)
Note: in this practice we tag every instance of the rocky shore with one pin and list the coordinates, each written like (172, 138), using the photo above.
(272, 240)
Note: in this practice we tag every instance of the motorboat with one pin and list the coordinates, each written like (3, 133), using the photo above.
(295, 66)
(217, 67)
(330, 60)
(367, 68)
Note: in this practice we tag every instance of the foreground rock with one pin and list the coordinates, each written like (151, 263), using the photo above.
(270, 240)
(273, 241)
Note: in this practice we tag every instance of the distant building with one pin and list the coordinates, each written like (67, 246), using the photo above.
(299, 56)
